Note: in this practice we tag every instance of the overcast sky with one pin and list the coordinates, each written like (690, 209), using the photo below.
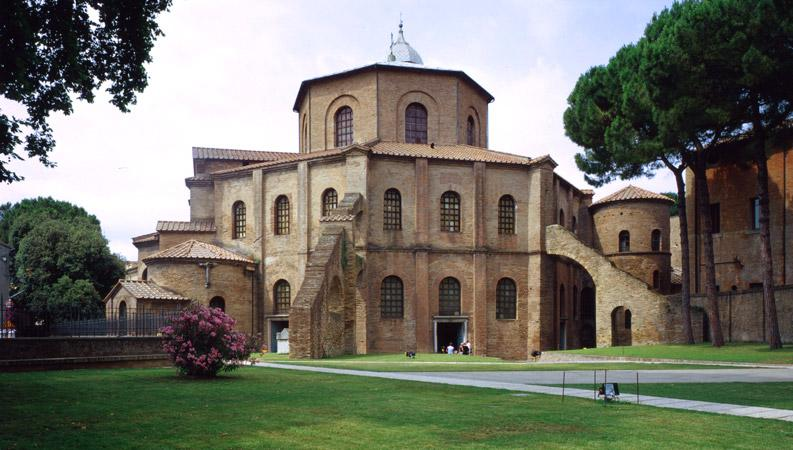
(226, 74)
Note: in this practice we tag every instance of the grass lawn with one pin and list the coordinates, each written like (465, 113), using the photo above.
(255, 407)
(436, 362)
(772, 395)
(750, 353)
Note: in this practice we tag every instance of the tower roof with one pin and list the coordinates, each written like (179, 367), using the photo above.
(401, 51)
(632, 193)
(197, 250)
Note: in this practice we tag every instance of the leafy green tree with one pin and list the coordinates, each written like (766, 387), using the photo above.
(610, 115)
(52, 242)
(54, 51)
(719, 74)
(673, 210)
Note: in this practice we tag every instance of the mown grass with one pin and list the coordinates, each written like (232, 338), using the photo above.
(435, 362)
(771, 395)
(255, 407)
(749, 353)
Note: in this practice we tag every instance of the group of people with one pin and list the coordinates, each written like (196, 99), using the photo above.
(463, 349)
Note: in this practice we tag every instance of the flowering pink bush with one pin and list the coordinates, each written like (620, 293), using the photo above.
(201, 342)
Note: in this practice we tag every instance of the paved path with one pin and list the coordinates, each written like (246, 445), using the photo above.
(517, 381)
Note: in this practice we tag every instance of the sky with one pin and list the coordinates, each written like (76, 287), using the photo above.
(226, 75)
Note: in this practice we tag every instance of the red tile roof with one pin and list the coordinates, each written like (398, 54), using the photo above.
(454, 152)
(196, 250)
(632, 193)
(149, 290)
(237, 155)
(148, 237)
(196, 226)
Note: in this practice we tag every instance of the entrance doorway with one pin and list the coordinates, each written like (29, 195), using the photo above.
(279, 329)
(454, 332)
(588, 318)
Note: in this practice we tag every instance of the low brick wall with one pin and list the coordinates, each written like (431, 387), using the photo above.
(78, 352)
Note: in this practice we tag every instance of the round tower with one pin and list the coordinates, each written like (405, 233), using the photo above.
(632, 230)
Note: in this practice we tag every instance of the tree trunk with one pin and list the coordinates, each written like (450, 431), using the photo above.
(769, 301)
(685, 293)
(703, 204)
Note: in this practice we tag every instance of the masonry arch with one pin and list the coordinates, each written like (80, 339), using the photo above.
(621, 324)
(651, 312)
(330, 118)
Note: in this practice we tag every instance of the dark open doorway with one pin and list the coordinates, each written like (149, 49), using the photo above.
(277, 328)
(449, 332)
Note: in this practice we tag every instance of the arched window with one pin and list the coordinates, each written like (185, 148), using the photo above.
(470, 131)
(574, 225)
(282, 215)
(625, 241)
(575, 302)
(656, 279)
(506, 215)
(416, 124)
(506, 299)
(305, 133)
(628, 319)
(561, 217)
(238, 212)
(392, 298)
(282, 294)
(122, 318)
(330, 200)
(343, 123)
(655, 240)
(449, 297)
(145, 275)
(218, 302)
(450, 212)
(392, 210)
(562, 303)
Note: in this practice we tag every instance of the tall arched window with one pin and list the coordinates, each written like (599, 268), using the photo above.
(470, 131)
(392, 298)
(416, 124)
(392, 210)
(628, 319)
(506, 215)
(562, 303)
(506, 299)
(625, 241)
(575, 302)
(574, 225)
(450, 212)
(305, 133)
(343, 125)
(330, 200)
(218, 302)
(561, 217)
(449, 297)
(282, 295)
(238, 212)
(282, 215)
(655, 240)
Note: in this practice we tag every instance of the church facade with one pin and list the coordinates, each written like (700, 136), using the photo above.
(395, 228)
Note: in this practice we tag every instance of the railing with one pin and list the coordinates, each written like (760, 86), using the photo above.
(15, 322)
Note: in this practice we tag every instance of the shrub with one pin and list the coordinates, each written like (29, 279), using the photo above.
(201, 342)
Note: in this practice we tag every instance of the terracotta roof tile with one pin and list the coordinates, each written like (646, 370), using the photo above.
(149, 290)
(197, 250)
(453, 152)
(632, 193)
(237, 155)
(148, 237)
(198, 226)
(292, 158)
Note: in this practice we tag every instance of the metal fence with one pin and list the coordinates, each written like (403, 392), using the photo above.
(16, 322)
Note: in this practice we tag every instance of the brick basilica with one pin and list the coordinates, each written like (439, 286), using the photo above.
(395, 228)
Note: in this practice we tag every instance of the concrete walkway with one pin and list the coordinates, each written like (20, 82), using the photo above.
(487, 380)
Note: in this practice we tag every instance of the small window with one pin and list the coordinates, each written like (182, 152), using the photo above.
(392, 299)
(330, 200)
(392, 210)
(715, 218)
(628, 319)
(656, 279)
(561, 217)
(755, 213)
(574, 225)
(238, 212)
(562, 303)
(449, 297)
(625, 241)
(343, 126)
(416, 124)
(506, 299)
(470, 131)
(282, 215)
(218, 302)
(506, 215)
(450, 212)
(283, 297)
(655, 241)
